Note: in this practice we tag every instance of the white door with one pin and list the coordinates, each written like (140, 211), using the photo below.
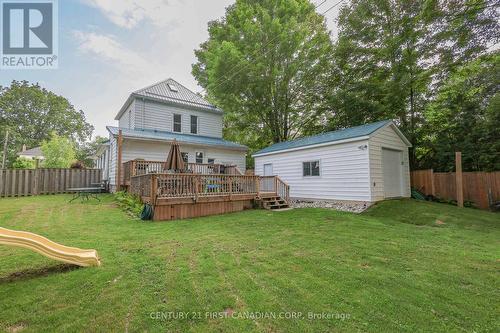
(393, 175)
(268, 169)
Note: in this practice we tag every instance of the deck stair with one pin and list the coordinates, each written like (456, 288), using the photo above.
(274, 203)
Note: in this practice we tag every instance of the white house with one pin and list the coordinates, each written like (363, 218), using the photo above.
(153, 117)
(363, 163)
(32, 154)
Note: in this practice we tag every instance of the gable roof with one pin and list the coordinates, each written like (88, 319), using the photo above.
(156, 135)
(35, 152)
(162, 92)
(339, 135)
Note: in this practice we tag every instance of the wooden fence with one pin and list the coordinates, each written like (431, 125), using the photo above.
(24, 182)
(481, 188)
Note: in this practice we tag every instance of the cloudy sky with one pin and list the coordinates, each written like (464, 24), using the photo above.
(109, 48)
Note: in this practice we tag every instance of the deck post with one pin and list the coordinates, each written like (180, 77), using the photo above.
(196, 187)
(154, 186)
(257, 185)
(230, 188)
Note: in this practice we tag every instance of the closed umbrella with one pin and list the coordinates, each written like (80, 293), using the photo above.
(174, 160)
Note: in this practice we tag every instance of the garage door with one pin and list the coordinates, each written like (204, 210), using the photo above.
(393, 175)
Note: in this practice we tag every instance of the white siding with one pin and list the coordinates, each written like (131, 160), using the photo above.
(386, 138)
(344, 171)
(112, 159)
(158, 151)
(127, 120)
(159, 116)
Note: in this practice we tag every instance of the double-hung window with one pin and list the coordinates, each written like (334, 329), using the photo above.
(194, 125)
(177, 123)
(310, 168)
(199, 157)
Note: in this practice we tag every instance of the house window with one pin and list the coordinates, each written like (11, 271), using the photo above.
(177, 123)
(211, 160)
(185, 157)
(199, 157)
(310, 168)
(194, 125)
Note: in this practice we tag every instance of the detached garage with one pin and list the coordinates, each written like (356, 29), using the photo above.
(363, 163)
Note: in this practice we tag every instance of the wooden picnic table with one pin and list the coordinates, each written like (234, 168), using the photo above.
(85, 192)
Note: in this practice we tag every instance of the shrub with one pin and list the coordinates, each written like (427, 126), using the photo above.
(23, 163)
(77, 165)
(129, 203)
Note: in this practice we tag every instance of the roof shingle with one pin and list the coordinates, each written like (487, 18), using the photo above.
(169, 136)
(343, 134)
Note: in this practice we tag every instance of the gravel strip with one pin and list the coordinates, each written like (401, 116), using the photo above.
(345, 206)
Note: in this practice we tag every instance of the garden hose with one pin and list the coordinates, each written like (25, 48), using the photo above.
(147, 212)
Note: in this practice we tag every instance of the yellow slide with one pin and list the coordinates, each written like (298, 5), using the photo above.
(48, 248)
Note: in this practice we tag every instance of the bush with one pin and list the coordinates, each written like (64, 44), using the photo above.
(77, 165)
(129, 203)
(23, 163)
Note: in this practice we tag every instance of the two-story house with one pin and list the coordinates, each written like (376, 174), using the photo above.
(153, 117)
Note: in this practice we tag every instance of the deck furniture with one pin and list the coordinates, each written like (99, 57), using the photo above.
(85, 193)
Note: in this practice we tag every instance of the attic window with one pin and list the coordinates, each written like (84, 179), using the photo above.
(172, 87)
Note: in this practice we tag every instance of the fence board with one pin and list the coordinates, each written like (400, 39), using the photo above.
(481, 188)
(24, 182)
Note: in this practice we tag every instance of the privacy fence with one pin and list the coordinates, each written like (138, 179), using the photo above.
(24, 182)
(481, 188)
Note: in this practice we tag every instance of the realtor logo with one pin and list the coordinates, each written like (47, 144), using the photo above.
(29, 34)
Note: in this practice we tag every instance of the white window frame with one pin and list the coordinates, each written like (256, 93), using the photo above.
(191, 124)
(187, 156)
(173, 123)
(202, 157)
(310, 169)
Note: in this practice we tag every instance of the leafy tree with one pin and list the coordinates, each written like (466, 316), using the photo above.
(86, 150)
(23, 163)
(31, 113)
(59, 152)
(465, 116)
(265, 64)
(392, 55)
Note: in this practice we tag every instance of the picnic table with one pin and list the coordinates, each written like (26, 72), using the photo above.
(85, 192)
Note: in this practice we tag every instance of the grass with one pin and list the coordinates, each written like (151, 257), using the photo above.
(402, 266)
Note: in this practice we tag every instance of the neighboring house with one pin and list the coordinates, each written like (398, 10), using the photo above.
(364, 163)
(32, 154)
(153, 117)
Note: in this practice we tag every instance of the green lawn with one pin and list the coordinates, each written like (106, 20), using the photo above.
(390, 269)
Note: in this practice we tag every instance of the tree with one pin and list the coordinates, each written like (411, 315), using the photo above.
(59, 152)
(465, 116)
(32, 113)
(264, 64)
(392, 55)
(85, 151)
(23, 163)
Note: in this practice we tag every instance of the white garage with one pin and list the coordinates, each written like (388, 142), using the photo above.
(363, 163)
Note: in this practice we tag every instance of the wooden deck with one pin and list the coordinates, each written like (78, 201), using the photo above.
(177, 196)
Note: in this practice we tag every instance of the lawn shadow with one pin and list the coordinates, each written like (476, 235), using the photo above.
(37, 272)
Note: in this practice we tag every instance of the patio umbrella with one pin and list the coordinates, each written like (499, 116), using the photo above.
(174, 160)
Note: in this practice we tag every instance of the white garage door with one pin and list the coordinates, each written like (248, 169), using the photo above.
(393, 175)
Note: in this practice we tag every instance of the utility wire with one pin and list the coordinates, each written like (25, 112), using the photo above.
(267, 44)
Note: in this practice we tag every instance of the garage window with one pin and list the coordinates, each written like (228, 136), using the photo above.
(310, 168)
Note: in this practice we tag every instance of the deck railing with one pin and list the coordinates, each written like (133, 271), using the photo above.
(276, 185)
(191, 185)
(139, 167)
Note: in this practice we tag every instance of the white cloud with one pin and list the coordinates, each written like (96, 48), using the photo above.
(130, 13)
(108, 49)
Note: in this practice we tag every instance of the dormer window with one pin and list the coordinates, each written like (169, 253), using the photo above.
(177, 123)
(172, 88)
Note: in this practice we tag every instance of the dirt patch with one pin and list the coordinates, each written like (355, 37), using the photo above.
(37, 272)
(439, 222)
(16, 328)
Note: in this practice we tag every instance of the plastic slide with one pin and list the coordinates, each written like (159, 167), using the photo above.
(48, 248)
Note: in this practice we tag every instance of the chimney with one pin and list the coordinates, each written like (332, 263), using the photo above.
(24, 148)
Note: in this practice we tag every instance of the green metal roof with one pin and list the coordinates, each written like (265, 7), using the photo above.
(343, 134)
(181, 138)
